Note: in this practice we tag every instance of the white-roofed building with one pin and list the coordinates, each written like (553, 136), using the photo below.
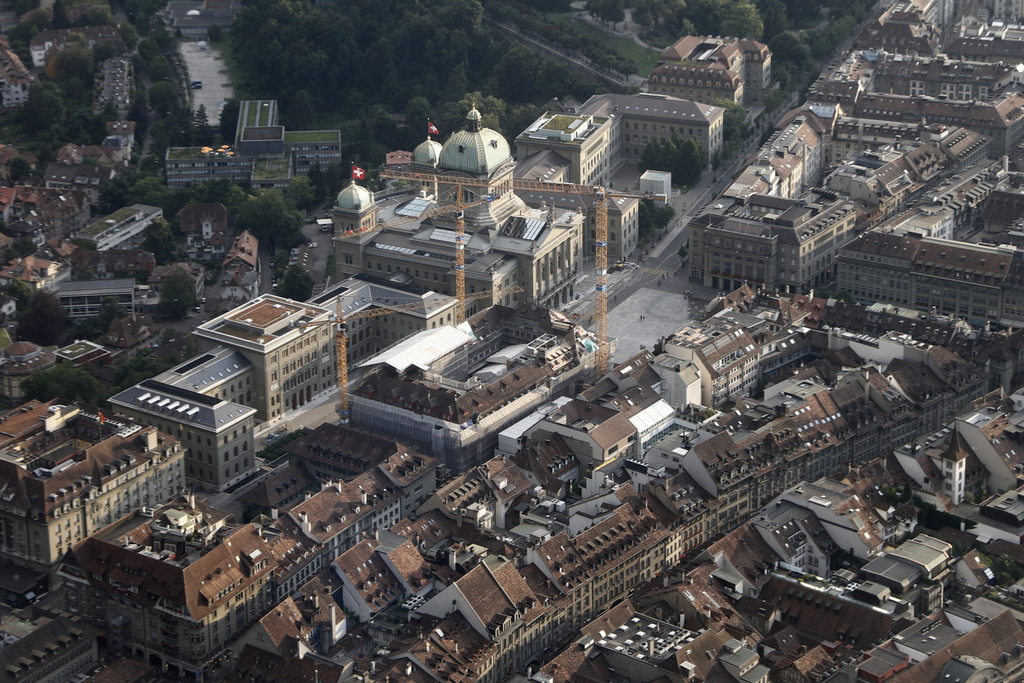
(426, 350)
(652, 422)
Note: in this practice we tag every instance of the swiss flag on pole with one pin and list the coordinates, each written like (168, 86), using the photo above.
(358, 173)
(432, 129)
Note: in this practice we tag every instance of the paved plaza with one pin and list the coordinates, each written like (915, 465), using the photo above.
(207, 65)
(663, 312)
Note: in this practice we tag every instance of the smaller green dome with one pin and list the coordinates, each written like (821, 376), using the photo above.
(473, 114)
(427, 152)
(355, 197)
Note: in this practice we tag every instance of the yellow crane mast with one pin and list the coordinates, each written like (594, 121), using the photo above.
(601, 243)
(341, 333)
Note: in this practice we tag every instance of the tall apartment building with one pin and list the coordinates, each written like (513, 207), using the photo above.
(67, 471)
(205, 402)
(288, 344)
(979, 282)
(703, 68)
(15, 79)
(639, 119)
(586, 141)
(771, 241)
(948, 79)
(725, 353)
(174, 589)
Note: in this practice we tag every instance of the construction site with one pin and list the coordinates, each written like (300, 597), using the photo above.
(450, 391)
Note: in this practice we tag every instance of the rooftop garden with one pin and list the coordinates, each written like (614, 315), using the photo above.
(105, 224)
(562, 122)
(312, 136)
(270, 169)
(183, 153)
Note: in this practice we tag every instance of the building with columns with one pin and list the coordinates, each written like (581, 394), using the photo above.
(507, 244)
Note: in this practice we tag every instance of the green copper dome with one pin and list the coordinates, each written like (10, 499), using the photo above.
(427, 152)
(476, 149)
(355, 197)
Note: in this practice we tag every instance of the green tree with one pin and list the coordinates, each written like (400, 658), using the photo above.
(129, 36)
(301, 114)
(296, 284)
(653, 216)
(43, 109)
(774, 99)
(742, 20)
(20, 292)
(60, 15)
(74, 62)
(163, 97)
(201, 132)
(110, 308)
(66, 382)
(773, 15)
(515, 74)
(301, 192)
(159, 69)
(607, 10)
(86, 273)
(43, 321)
(213, 33)
(177, 293)
(281, 263)
(229, 120)
(23, 246)
(20, 167)
(103, 51)
(271, 216)
(160, 240)
(734, 124)
(149, 48)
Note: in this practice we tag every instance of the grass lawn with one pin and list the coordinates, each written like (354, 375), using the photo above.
(644, 58)
(224, 45)
(310, 136)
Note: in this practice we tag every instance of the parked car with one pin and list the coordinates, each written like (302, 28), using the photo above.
(197, 85)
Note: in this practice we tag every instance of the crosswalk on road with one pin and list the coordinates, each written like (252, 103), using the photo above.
(655, 271)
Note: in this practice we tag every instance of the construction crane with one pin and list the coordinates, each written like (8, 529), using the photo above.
(458, 208)
(341, 332)
(601, 242)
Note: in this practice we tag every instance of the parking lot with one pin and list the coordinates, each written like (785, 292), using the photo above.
(207, 66)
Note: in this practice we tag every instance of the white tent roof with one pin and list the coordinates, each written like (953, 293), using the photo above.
(422, 349)
(652, 416)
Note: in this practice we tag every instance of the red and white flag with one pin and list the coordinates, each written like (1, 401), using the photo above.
(358, 173)
(432, 129)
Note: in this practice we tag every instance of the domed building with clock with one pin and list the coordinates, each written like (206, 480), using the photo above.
(507, 243)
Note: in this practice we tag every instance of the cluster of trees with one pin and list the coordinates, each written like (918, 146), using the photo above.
(66, 382)
(684, 159)
(653, 216)
(525, 17)
(296, 284)
(359, 62)
(735, 128)
(670, 19)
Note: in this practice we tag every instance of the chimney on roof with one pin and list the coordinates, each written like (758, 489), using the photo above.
(273, 513)
(363, 497)
(304, 523)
